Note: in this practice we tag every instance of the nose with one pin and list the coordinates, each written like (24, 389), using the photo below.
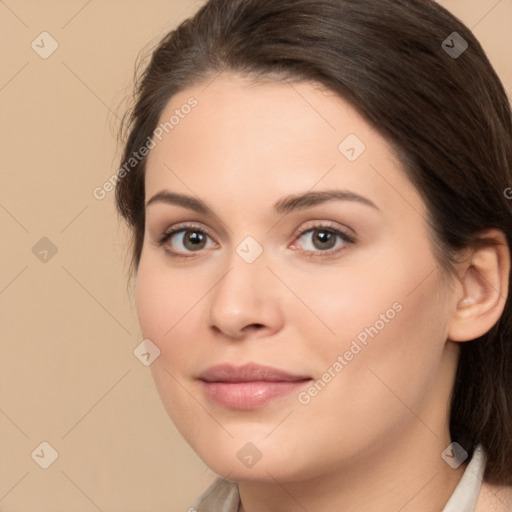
(245, 301)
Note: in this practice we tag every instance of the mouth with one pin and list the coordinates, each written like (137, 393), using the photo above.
(249, 386)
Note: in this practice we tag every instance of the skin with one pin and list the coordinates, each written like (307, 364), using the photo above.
(372, 438)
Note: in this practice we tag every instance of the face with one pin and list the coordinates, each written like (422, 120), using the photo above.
(293, 293)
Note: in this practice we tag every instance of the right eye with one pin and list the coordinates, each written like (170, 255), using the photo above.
(184, 239)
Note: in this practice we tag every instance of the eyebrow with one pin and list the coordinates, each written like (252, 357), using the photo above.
(283, 206)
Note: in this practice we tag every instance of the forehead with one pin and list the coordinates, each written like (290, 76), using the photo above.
(241, 137)
(255, 123)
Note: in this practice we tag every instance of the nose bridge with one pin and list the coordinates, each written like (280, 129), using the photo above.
(241, 287)
(244, 295)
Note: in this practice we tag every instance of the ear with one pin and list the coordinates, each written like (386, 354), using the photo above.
(484, 280)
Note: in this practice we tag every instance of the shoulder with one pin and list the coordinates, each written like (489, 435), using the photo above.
(221, 496)
(494, 498)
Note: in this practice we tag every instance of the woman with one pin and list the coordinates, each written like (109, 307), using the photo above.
(321, 245)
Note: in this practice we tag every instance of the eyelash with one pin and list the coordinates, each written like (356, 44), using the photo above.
(345, 237)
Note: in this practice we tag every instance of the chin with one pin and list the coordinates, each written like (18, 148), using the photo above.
(253, 457)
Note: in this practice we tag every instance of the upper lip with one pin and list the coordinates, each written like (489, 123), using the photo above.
(248, 373)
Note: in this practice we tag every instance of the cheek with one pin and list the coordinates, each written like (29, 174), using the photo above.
(155, 307)
(385, 314)
(165, 308)
(334, 305)
(390, 326)
(164, 299)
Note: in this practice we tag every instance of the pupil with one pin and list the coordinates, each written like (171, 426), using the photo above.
(324, 237)
(195, 239)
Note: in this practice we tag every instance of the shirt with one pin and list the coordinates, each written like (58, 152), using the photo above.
(223, 495)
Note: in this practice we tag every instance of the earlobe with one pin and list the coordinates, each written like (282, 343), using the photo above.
(485, 279)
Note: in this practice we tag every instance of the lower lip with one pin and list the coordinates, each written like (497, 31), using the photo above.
(249, 395)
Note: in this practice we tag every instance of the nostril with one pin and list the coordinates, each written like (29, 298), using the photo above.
(253, 327)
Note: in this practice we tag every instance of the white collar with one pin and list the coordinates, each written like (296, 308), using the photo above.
(466, 493)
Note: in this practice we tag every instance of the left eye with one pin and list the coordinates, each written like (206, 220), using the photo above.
(324, 239)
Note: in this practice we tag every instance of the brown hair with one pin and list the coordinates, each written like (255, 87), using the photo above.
(446, 115)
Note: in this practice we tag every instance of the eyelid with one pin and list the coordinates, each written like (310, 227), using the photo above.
(326, 224)
(182, 226)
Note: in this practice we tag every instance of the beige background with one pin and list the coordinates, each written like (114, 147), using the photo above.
(68, 375)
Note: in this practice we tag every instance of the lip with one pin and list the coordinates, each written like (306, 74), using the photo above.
(249, 386)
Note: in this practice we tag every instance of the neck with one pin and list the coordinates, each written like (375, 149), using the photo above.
(406, 475)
